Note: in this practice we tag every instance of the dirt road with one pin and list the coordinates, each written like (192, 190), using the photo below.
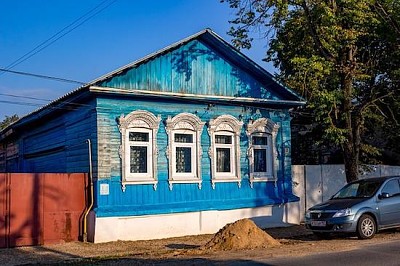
(295, 240)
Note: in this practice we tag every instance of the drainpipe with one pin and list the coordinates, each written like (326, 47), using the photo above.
(91, 191)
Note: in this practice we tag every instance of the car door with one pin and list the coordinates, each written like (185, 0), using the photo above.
(389, 207)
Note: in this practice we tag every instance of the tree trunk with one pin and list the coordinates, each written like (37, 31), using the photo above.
(350, 162)
(352, 121)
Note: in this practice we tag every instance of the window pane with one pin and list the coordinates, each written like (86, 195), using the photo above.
(138, 159)
(260, 160)
(222, 139)
(138, 136)
(223, 160)
(184, 138)
(260, 141)
(183, 160)
(392, 187)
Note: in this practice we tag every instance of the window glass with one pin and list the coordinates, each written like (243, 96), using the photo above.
(391, 187)
(360, 189)
(260, 141)
(138, 160)
(138, 136)
(183, 138)
(223, 160)
(223, 139)
(183, 160)
(260, 160)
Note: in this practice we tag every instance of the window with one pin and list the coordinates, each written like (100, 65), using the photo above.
(140, 152)
(261, 152)
(139, 148)
(184, 150)
(392, 188)
(224, 151)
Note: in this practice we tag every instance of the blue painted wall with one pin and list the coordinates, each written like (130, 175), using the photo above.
(143, 199)
(56, 143)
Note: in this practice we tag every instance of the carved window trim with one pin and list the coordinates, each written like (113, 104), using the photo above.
(179, 124)
(263, 127)
(142, 121)
(225, 125)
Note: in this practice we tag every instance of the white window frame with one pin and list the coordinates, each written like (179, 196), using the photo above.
(148, 144)
(265, 128)
(139, 121)
(192, 146)
(225, 125)
(231, 147)
(184, 123)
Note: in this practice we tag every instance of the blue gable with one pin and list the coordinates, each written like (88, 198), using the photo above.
(200, 65)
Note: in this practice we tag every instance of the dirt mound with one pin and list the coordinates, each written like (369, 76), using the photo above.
(242, 234)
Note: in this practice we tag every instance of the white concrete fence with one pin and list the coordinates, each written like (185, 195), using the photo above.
(317, 183)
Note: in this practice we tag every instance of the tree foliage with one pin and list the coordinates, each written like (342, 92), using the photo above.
(7, 121)
(343, 56)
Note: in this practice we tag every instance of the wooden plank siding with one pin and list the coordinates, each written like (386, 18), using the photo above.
(143, 199)
(193, 68)
(56, 145)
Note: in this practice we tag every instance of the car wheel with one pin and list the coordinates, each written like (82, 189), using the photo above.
(366, 227)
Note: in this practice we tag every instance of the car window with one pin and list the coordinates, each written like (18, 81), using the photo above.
(392, 187)
(360, 189)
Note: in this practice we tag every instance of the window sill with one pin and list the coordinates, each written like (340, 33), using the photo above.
(262, 179)
(141, 181)
(181, 180)
(230, 179)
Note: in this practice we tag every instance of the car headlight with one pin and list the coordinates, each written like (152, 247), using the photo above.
(308, 214)
(341, 213)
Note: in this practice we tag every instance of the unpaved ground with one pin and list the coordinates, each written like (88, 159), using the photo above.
(295, 240)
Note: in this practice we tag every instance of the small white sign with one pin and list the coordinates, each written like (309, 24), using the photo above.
(104, 189)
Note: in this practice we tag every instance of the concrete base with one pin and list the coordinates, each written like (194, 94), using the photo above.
(105, 229)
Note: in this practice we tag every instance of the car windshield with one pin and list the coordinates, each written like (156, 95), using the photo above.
(360, 189)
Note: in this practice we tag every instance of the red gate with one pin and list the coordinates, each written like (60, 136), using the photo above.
(37, 209)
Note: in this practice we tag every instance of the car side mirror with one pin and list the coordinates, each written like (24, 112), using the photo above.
(384, 195)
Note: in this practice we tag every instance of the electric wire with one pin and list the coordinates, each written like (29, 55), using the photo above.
(53, 38)
(42, 76)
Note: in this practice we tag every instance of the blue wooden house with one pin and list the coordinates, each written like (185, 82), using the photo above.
(184, 140)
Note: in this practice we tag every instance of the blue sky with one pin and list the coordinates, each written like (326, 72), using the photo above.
(123, 32)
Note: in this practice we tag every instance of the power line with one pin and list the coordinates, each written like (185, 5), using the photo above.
(24, 97)
(42, 76)
(53, 38)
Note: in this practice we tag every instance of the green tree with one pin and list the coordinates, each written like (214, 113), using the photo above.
(341, 55)
(7, 121)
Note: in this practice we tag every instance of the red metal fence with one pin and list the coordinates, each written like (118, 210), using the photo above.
(37, 209)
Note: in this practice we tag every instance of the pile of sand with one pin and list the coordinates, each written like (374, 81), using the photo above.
(242, 234)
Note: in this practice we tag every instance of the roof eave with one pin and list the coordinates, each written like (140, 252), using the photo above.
(196, 97)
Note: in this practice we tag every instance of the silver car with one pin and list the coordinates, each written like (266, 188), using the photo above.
(363, 207)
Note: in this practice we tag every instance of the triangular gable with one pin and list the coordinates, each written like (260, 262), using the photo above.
(202, 64)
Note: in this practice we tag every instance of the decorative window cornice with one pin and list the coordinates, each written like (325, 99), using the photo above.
(190, 122)
(225, 123)
(268, 127)
(139, 119)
